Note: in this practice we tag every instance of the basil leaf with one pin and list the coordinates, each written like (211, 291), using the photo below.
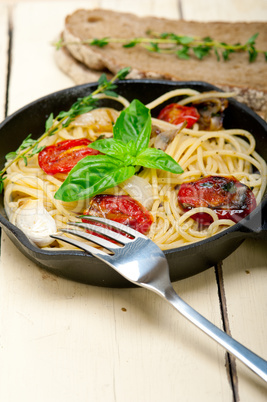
(134, 124)
(122, 153)
(158, 159)
(110, 146)
(92, 175)
(131, 148)
(115, 148)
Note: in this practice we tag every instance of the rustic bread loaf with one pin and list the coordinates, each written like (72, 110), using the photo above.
(249, 79)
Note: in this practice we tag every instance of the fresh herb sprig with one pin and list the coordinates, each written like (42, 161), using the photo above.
(120, 158)
(181, 45)
(30, 147)
(25, 145)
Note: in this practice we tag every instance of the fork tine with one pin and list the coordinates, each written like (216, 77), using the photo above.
(113, 224)
(102, 231)
(84, 246)
(91, 237)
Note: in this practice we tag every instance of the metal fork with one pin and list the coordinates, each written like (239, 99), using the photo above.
(143, 263)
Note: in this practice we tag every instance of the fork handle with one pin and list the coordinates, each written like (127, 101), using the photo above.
(253, 361)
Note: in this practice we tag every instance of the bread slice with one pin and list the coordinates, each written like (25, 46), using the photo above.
(249, 79)
(76, 70)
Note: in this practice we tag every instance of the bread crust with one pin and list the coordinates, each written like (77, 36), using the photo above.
(76, 70)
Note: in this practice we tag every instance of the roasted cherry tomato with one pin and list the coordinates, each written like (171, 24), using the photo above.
(229, 198)
(63, 156)
(176, 114)
(123, 209)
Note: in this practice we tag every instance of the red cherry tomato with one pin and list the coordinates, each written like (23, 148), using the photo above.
(63, 156)
(229, 198)
(176, 114)
(121, 208)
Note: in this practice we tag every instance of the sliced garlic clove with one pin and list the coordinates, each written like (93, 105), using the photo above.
(37, 224)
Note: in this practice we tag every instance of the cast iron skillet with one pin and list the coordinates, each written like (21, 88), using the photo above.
(185, 261)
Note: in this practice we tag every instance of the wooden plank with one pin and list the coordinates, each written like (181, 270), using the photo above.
(78, 339)
(142, 8)
(63, 341)
(245, 278)
(4, 39)
(244, 271)
(33, 54)
(226, 10)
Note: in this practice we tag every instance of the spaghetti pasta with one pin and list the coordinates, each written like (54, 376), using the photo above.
(200, 153)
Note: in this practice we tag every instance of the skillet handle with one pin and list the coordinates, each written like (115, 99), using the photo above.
(256, 226)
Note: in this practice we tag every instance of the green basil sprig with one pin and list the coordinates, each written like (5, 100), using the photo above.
(120, 157)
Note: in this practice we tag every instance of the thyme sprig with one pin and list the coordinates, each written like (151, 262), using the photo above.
(30, 147)
(181, 45)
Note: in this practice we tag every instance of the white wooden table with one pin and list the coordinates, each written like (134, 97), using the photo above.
(64, 341)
